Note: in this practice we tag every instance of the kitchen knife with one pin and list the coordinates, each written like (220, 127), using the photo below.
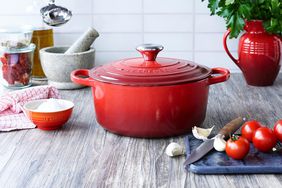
(207, 145)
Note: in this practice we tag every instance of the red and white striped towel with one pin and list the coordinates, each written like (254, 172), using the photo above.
(11, 115)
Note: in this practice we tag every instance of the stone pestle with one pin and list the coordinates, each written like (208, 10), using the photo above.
(84, 41)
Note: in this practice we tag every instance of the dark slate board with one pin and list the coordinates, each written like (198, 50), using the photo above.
(219, 163)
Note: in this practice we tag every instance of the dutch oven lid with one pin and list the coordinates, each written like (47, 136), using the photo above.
(149, 70)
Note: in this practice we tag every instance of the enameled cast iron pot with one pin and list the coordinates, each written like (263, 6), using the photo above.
(149, 97)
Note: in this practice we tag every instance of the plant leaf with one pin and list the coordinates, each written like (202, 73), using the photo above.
(213, 5)
(261, 1)
(245, 11)
(235, 12)
(229, 2)
(225, 13)
(274, 4)
(236, 24)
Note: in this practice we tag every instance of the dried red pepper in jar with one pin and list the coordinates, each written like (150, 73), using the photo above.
(17, 67)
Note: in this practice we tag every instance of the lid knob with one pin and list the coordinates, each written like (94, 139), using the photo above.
(149, 51)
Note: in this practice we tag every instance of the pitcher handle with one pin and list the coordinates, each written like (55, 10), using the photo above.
(226, 34)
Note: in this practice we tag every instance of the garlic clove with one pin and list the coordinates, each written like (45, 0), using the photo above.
(201, 133)
(219, 143)
(174, 149)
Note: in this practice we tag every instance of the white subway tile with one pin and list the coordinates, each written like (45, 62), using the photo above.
(65, 39)
(108, 57)
(77, 6)
(78, 24)
(213, 42)
(121, 25)
(178, 55)
(118, 42)
(216, 59)
(18, 21)
(114, 6)
(171, 41)
(168, 6)
(207, 23)
(20, 7)
(105, 42)
(201, 7)
(118, 23)
(168, 23)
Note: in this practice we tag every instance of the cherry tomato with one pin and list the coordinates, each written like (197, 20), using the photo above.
(278, 130)
(264, 139)
(249, 128)
(237, 147)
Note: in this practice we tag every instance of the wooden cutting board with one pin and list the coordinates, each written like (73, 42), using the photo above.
(219, 163)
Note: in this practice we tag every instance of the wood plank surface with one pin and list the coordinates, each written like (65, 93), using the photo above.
(83, 154)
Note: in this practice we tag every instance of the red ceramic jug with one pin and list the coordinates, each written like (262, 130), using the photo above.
(259, 54)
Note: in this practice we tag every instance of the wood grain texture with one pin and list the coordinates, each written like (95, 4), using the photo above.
(83, 154)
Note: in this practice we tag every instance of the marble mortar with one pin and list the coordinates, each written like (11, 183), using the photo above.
(58, 66)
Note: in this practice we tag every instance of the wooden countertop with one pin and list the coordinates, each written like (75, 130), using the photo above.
(84, 154)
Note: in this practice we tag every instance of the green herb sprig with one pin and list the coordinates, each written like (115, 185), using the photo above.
(235, 12)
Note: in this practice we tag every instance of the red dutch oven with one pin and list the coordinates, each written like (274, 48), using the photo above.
(150, 97)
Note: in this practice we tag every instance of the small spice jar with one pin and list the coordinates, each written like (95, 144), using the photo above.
(41, 37)
(16, 57)
(16, 66)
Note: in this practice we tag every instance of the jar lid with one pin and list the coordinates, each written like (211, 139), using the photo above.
(30, 48)
(13, 38)
(150, 70)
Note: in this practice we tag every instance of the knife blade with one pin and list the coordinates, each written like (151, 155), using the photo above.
(207, 145)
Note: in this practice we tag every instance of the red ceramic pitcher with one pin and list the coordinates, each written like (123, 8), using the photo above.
(259, 54)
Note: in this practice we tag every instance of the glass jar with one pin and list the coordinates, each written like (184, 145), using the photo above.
(41, 37)
(16, 66)
(14, 38)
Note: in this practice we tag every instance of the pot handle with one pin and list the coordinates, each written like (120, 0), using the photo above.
(81, 76)
(226, 34)
(224, 75)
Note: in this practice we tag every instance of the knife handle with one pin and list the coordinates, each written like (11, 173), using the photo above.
(231, 127)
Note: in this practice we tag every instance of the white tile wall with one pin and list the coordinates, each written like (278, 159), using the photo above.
(168, 6)
(168, 23)
(215, 59)
(117, 6)
(171, 41)
(184, 27)
(112, 23)
(78, 24)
